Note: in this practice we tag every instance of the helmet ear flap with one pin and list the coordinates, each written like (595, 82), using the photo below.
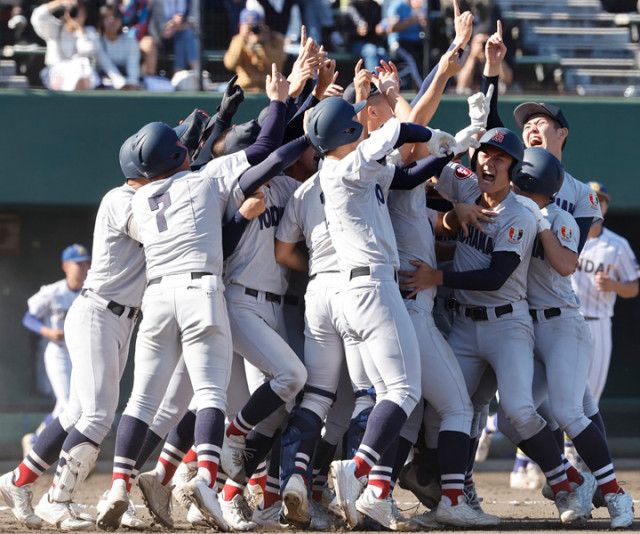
(515, 169)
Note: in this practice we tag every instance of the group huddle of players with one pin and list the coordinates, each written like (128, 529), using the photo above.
(252, 381)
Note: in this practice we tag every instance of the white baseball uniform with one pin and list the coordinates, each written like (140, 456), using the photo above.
(355, 190)
(256, 285)
(99, 324)
(51, 305)
(578, 199)
(443, 385)
(503, 337)
(611, 254)
(179, 222)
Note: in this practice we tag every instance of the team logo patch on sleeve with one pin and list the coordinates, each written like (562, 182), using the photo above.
(593, 200)
(566, 233)
(515, 234)
(462, 172)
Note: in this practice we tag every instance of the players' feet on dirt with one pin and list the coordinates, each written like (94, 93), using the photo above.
(64, 516)
(427, 494)
(235, 513)
(463, 515)
(131, 520)
(620, 506)
(296, 502)
(348, 488)
(206, 500)
(321, 519)
(426, 521)
(112, 508)
(232, 458)
(584, 493)
(569, 508)
(157, 498)
(254, 494)
(195, 518)
(271, 518)
(182, 476)
(383, 511)
(19, 500)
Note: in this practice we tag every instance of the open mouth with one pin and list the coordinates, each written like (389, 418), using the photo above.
(488, 177)
(535, 140)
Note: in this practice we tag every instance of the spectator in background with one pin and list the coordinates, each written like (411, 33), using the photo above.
(406, 24)
(71, 47)
(135, 15)
(366, 16)
(172, 24)
(252, 51)
(276, 13)
(118, 55)
(317, 16)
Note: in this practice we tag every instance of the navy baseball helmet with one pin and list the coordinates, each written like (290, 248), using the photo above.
(505, 140)
(241, 136)
(152, 151)
(331, 124)
(540, 172)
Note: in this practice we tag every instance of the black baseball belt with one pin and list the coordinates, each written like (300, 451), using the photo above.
(548, 313)
(194, 276)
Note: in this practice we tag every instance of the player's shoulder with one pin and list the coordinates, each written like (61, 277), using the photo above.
(614, 239)
(310, 184)
(557, 215)
(119, 194)
(233, 163)
(57, 287)
(510, 211)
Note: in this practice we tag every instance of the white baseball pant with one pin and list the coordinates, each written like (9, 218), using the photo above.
(601, 355)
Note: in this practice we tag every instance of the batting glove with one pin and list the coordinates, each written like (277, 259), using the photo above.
(441, 143)
(541, 222)
(479, 106)
(231, 100)
(467, 138)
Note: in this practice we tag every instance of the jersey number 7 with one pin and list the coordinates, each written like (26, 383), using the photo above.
(154, 204)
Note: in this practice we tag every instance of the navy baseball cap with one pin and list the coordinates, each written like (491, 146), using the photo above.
(528, 109)
(250, 16)
(76, 253)
(600, 189)
(350, 93)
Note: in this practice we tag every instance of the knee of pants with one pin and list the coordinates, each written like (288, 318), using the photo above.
(525, 420)
(404, 396)
(571, 420)
(363, 402)
(335, 428)
(165, 420)
(318, 404)
(290, 381)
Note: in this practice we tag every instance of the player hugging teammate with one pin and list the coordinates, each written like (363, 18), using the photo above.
(332, 186)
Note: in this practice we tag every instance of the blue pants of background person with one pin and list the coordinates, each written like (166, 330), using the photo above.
(185, 48)
(371, 54)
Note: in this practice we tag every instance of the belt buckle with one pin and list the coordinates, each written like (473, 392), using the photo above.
(450, 304)
(478, 313)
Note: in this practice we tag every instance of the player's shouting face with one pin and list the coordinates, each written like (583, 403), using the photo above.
(541, 130)
(492, 169)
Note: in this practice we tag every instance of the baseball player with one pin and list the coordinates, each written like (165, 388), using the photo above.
(561, 336)
(98, 329)
(542, 125)
(354, 186)
(607, 269)
(177, 218)
(46, 315)
(490, 269)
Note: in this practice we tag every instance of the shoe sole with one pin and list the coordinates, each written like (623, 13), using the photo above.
(167, 523)
(111, 519)
(293, 511)
(194, 496)
(349, 508)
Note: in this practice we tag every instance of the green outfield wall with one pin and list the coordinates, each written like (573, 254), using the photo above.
(59, 155)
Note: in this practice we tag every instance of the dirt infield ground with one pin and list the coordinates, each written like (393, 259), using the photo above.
(522, 510)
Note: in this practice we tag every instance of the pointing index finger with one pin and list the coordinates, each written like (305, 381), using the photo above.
(456, 9)
(499, 29)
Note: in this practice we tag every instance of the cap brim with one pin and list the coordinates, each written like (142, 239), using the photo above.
(359, 106)
(79, 259)
(522, 113)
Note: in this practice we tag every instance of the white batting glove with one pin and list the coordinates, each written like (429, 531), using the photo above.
(441, 143)
(479, 105)
(467, 138)
(541, 222)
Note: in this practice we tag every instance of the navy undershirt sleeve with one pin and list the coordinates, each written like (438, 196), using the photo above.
(232, 232)
(428, 80)
(283, 157)
(411, 132)
(419, 172)
(494, 120)
(502, 265)
(271, 133)
(584, 223)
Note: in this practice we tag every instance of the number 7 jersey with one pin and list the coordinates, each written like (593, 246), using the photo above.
(179, 219)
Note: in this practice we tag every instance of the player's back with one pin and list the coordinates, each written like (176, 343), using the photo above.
(179, 219)
(578, 199)
(356, 189)
(117, 269)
